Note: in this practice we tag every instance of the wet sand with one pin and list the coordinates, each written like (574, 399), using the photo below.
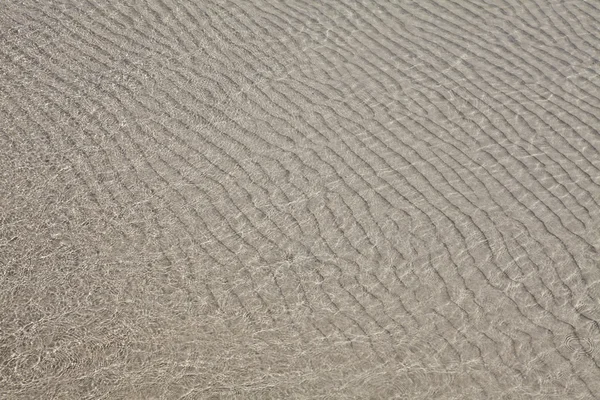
(295, 199)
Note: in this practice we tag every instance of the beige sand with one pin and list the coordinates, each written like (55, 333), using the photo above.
(268, 199)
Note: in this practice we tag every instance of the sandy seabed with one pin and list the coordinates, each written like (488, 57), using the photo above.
(268, 199)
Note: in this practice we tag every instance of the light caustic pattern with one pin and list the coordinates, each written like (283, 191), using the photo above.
(299, 199)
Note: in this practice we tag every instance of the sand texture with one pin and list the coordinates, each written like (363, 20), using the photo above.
(298, 199)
